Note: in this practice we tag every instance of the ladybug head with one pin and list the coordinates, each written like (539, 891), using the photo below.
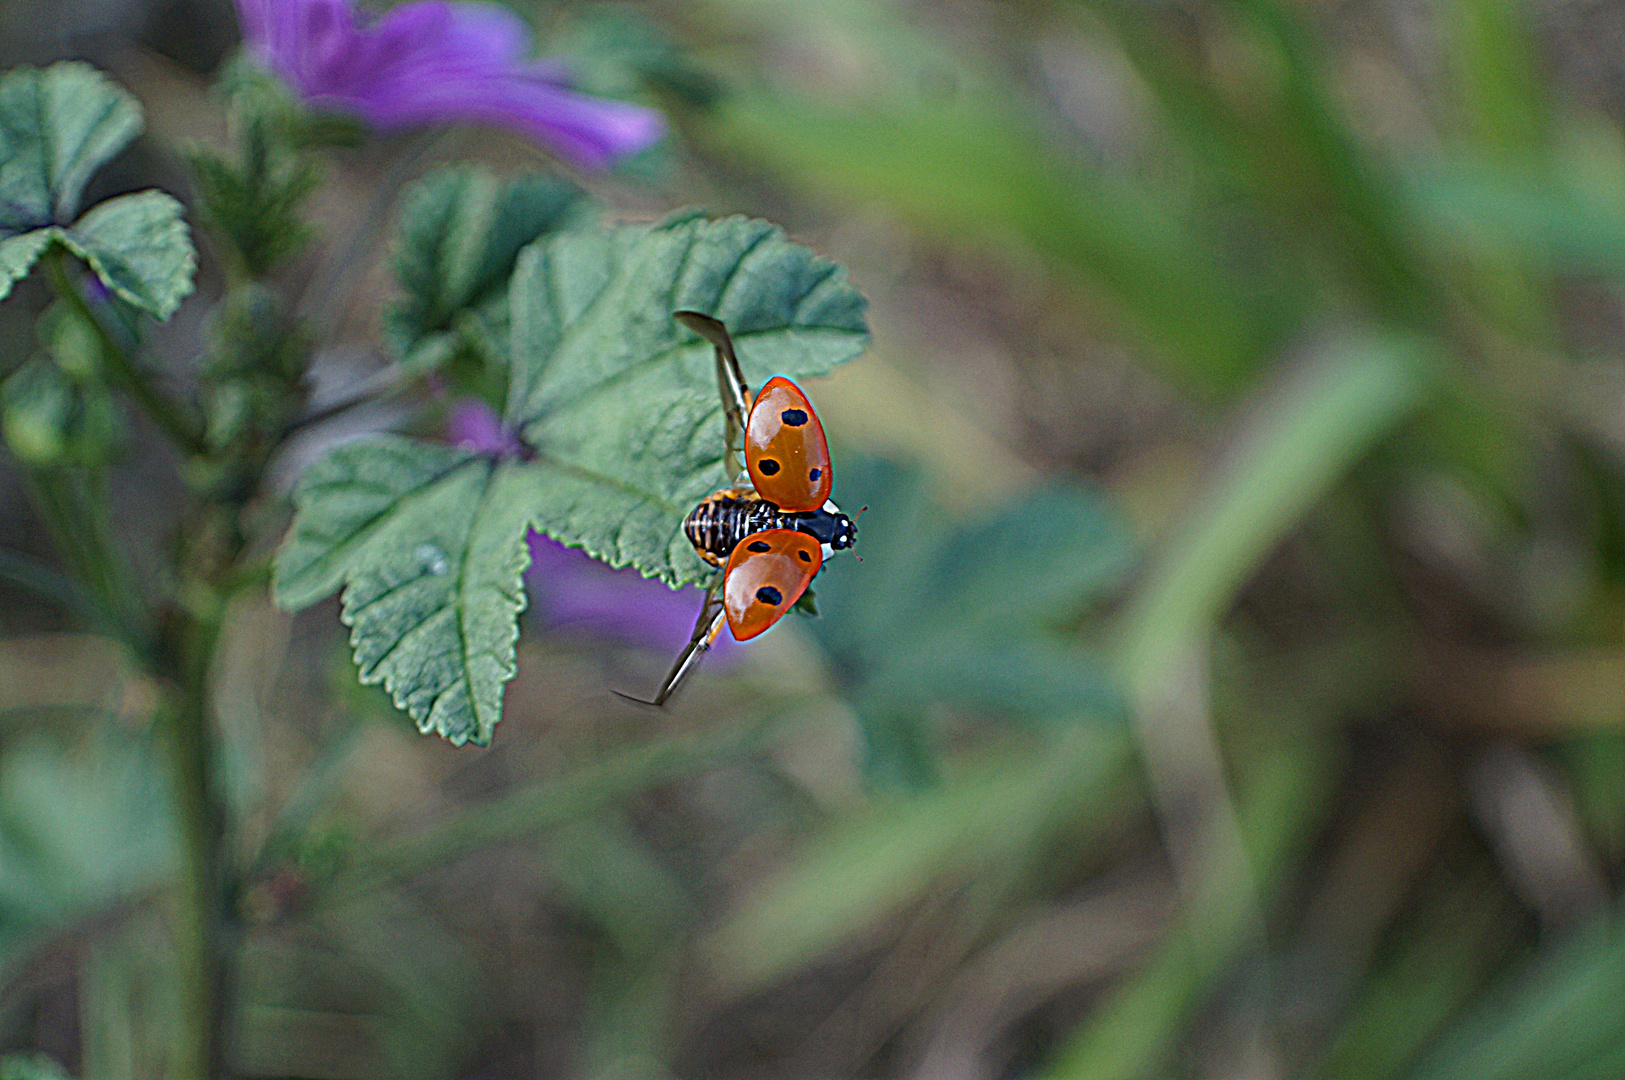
(828, 526)
(844, 534)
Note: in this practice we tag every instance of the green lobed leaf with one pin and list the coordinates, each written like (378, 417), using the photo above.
(461, 231)
(619, 401)
(140, 247)
(57, 127)
(427, 542)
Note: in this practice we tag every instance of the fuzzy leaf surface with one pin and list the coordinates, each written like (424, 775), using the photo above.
(620, 401)
(57, 127)
(427, 542)
(461, 231)
(140, 247)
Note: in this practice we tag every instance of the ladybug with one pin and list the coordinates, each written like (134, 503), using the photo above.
(771, 536)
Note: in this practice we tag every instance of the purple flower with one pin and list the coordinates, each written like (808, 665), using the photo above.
(429, 62)
(572, 590)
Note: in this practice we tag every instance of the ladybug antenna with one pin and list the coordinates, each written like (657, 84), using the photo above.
(859, 514)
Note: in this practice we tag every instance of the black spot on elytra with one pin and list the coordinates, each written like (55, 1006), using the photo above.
(793, 417)
(815, 474)
(759, 545)
(768, 466)
(767, 594)
(804, 556)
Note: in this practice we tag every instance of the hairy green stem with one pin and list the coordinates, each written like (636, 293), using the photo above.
(200, 898)
(168, 415)
(73, 505)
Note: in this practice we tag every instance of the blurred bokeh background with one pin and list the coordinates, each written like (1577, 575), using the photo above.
(1234, 685)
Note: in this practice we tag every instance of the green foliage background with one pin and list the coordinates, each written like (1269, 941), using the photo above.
(1234, 681)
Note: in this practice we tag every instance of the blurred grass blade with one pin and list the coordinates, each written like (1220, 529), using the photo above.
(868, 868)
(980, 171)
(1523, 210)
(1134, 1028)
(1561, 1019)
(1438, 962)
(1499, 90)
(547, 803)
(1373, 228)
(1288, 450)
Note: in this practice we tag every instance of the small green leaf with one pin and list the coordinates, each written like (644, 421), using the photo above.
(137, 244)
(140, 247)
(428, 543)
(461, 230)
(18, 254)
(620, 401)
(57, 127)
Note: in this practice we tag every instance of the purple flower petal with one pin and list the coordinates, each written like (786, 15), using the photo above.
(575, 592)
(589, 131)
(431, 62)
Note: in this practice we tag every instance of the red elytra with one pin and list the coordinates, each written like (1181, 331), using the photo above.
(785, 449)
(766, 574)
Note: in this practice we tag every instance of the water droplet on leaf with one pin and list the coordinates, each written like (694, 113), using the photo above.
(432, 558)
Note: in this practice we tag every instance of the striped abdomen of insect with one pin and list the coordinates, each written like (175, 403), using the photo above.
(716, 526)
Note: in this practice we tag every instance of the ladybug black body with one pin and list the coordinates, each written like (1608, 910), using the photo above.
(726, 517)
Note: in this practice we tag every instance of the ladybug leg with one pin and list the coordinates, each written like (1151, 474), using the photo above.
(710, 623)
(730, 382)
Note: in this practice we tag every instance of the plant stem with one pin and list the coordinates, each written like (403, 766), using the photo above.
(73, 506)
(200, 908)
(167, 414)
